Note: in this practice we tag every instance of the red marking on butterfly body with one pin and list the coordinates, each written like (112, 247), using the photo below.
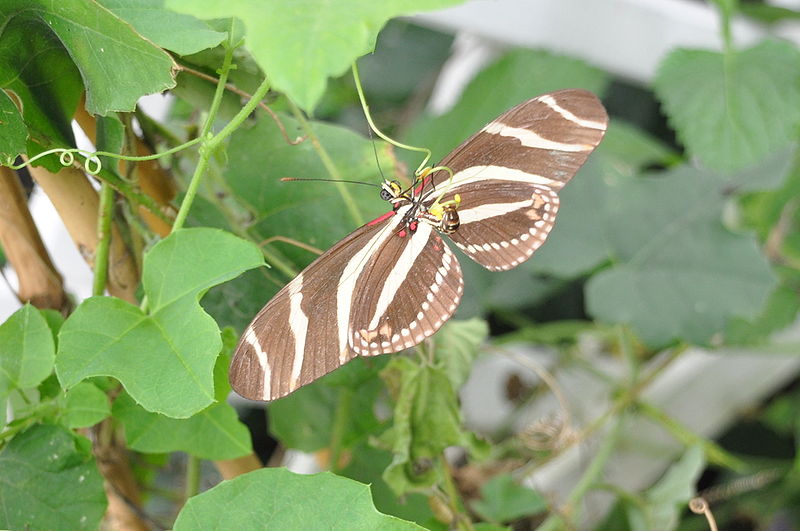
(425, 181)
(379, 219)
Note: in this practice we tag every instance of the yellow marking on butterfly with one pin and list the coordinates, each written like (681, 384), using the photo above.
(437, 209)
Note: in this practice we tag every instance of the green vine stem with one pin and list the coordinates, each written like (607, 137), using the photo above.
(462, 521)
(207, 140)
(714, 453)
(589, 479)
(104, 239)
(342, 415)
(330, 166)
(192, 476)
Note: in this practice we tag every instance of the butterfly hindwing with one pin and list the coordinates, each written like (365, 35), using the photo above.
(412, 287)
(503, 223)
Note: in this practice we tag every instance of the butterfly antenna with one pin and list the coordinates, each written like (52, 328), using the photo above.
(375, 151)
(329, 181)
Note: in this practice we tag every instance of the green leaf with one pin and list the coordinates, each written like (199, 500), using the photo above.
(182, 34)
(667, 498)
(27, 350)
(680, 274)
(628, 146)
(523, 74)
(13, 133)
(164, 358)
(306, 419)
(85, 405)
(259, 157)
(50, 481)
(504, 500)
(577, 243)
(35, 66)
(731, 111)
(426, 421)
(780, 311)
(213, 433)
(457, 345)
(768, 174)
(99, 44)
(275, 498)
(300, 45)
(366, 465)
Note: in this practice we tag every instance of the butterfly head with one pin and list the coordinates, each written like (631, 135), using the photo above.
(390, 190)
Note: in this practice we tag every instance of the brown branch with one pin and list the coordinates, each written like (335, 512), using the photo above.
(77, 203)
(39, 281)
(236, 90)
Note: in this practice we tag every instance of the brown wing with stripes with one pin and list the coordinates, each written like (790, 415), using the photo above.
(507, 174)
(297, 337)
(407, 292)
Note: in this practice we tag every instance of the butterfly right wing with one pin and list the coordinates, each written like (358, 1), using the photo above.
(508, 174)
(302, 333)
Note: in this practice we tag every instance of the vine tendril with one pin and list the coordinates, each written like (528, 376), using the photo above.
(92, 163)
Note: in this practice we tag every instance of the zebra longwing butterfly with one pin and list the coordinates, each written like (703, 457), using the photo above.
(393, 282)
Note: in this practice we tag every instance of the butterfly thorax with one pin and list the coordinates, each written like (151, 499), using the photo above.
(443, 216)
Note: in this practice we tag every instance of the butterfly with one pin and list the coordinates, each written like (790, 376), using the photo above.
(394, 282)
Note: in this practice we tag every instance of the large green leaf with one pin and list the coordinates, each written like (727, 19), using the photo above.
(35, 66)
(274, 498)
(50, 481)
(302, 43)
(27, 350)
(183, 34)
(577, 243)
(117, 65)
(84, 405)
(13, 133)
(731, 110)
(165, 357)
(213, 433)
(680, 274)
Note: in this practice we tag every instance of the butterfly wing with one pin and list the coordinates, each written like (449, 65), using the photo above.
(369, 294)
(301, 334)
(507, 175)
(408, 291)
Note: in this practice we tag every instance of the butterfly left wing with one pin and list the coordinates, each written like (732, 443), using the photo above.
(381, 289)
(507, 175)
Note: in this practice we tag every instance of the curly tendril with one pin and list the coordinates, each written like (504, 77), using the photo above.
(66, 157)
